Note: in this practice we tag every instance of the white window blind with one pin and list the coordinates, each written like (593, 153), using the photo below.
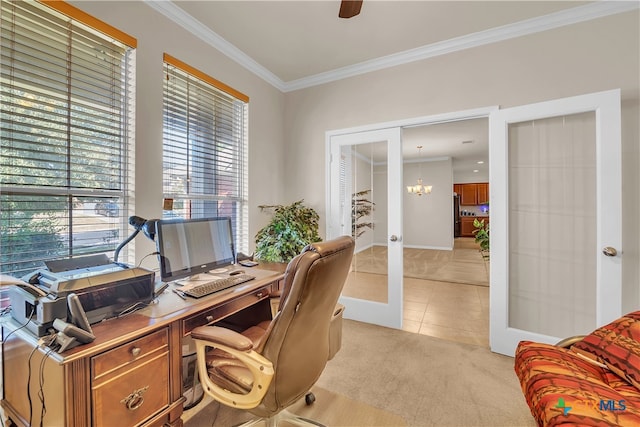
(66, 136)
(204, 148)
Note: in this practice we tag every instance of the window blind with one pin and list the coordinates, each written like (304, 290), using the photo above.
(204, 148)
(66, 123)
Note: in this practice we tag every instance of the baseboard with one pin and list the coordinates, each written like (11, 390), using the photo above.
(437, 248)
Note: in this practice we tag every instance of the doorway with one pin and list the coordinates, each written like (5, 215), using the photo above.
(446, 279)
(509, 325)
(337, 220)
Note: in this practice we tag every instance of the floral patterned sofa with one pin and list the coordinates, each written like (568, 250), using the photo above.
(592, 382)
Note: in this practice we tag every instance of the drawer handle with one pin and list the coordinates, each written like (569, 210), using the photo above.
(135, 399)
(135, 351)
(259, 294)
(209, 318)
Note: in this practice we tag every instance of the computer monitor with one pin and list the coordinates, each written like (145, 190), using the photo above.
(192, 246)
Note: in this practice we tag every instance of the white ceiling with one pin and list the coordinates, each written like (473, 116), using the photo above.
(297, 44)
(297, 39)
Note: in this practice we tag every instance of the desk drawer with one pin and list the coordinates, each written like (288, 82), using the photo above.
(130, 383)
(131, 354)
(219, 312)
(133, 396)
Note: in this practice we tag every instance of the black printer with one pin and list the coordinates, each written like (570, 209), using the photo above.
(105, 290)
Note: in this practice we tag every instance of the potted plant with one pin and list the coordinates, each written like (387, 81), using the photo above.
(291, 228)
(482, 236)
(361, 207)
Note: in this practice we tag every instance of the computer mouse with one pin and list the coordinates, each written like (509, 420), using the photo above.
(236, 272)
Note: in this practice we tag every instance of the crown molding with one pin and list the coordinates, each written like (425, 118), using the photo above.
(530, 26)
(587, 12)
(198, 29)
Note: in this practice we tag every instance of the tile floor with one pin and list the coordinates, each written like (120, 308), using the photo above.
(452, 311)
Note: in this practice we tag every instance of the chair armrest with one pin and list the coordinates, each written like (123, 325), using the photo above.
(568, 342)
(224, 336)
(236, 345)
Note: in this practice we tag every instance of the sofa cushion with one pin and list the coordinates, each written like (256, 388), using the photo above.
(616, 345)
(561, 388)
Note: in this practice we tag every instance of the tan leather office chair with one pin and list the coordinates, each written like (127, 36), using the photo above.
(271, 365)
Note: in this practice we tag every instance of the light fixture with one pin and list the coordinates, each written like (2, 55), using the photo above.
(148, 227)
(419, 188)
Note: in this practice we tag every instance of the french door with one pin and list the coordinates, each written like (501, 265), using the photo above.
(365, 170)
(555, 180)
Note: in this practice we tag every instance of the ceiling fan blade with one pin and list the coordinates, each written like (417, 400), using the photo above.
(349, 8)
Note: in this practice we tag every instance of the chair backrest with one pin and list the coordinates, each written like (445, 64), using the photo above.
(297, 342)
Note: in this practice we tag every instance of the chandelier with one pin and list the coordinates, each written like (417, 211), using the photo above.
(419, 188)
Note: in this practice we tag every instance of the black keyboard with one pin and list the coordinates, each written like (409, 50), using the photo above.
(203, 289)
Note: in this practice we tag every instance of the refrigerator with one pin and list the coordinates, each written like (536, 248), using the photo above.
(456, 215)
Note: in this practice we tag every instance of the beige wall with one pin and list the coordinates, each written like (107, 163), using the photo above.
(428, 219)
(156, 35)
(587, 57)
(287, 131)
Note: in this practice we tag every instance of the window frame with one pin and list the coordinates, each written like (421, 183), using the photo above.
(216, 103)
(80, 27)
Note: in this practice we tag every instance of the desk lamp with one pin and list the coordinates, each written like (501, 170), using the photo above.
(148, 227)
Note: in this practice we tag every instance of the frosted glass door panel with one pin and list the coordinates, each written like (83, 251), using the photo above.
(552, 225)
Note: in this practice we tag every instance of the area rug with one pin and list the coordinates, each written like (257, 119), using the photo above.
(463, 264)
(330, 409)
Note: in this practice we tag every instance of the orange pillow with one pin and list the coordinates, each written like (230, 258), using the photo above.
(617, 346)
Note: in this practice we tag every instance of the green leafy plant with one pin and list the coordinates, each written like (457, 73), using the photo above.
(291, 228)
(361, 207)
(482, 236)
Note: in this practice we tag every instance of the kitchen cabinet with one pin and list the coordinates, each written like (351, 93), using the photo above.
(467, 227)
(483, 193)
(469, 194)
(472, 194)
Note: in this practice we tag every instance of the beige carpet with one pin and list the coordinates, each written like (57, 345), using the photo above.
(428, 381)
(330, 409)
(464, 264)
(388, 377)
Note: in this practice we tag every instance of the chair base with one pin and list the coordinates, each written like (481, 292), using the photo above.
(283, 419)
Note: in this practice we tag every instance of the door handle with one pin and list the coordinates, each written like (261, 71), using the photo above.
(394, 238)
(609, 251)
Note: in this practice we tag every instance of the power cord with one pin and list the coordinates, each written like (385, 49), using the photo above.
(41, 396)
(132, 308)
(33, 311)
(44, 341)
(148, 255)
(29, 384)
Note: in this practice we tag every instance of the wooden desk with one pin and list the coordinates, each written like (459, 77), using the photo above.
(130, 375)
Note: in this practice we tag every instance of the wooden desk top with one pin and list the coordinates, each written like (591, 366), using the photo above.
(167, 308)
